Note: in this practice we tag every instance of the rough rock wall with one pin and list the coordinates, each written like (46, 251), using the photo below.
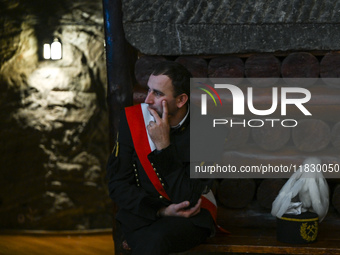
(53, 117)
(166, 27)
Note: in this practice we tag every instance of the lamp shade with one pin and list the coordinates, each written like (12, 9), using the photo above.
(56, 51)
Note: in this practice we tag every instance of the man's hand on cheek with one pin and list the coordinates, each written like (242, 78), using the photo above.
(159, 130)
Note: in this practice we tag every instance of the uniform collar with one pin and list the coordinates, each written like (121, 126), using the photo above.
(182, 121)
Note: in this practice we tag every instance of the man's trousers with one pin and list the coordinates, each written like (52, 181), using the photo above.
(166, 235)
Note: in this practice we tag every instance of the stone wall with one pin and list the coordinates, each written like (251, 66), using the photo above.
(54, 124)
(193, 27)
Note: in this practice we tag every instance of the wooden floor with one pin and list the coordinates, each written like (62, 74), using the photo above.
(56, 244)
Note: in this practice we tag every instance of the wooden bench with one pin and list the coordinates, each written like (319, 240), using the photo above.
(263, 241)
(254, 232)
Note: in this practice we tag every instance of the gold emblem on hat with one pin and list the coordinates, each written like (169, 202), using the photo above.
(309, 231)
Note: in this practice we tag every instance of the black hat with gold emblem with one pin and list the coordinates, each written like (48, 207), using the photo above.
(298, 229)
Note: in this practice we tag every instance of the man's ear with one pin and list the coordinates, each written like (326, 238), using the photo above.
(181, 100)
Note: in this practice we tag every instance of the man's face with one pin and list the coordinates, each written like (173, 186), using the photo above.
(161, 88)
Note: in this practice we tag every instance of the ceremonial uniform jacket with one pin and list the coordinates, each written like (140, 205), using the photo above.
(132, 190)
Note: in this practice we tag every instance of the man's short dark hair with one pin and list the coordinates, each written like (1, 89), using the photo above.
(179, 75)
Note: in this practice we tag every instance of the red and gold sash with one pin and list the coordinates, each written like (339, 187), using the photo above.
(135, 119)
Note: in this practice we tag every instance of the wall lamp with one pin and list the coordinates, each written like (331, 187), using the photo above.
(54, 50)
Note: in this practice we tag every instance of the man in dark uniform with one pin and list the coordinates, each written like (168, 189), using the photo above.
(160, 210)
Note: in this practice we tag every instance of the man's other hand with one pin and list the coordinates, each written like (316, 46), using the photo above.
(180, 210)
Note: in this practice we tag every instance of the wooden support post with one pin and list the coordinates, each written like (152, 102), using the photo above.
(335, 136)
(197, 66)
(144, 67)
(226, 67)
(330, 68)
(300, 65)
(311, 135)
(263, 70)
(237, 136)
(271, 137)
(120, 59)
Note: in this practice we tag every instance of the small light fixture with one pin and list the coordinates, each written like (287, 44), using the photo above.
(53, 51)
(47, 51)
